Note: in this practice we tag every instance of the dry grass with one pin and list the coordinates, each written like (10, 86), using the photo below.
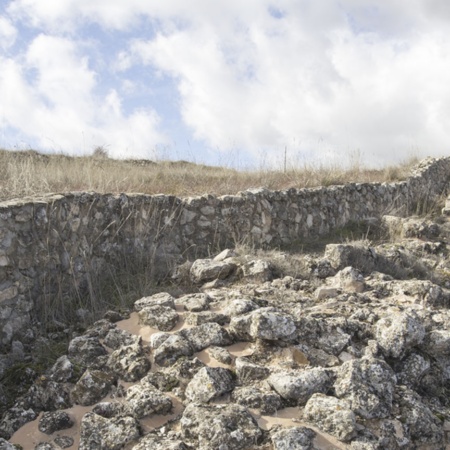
(29, 173)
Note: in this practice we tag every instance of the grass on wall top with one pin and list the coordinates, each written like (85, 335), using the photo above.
(29, 173)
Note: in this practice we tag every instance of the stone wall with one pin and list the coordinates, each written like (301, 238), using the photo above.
(50, 246)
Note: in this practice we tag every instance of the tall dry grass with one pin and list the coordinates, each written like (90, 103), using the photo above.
(29, 173)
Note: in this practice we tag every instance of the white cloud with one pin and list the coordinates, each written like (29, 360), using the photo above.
(8, 33)
(331, 76)
(52, 97)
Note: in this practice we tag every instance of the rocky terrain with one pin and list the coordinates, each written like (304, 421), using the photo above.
(345, 348)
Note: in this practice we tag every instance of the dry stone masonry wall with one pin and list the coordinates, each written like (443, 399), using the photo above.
(52, 245)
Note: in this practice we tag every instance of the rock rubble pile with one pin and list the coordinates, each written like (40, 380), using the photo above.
(351, 352)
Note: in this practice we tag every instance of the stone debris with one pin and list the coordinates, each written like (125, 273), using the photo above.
(351, 349)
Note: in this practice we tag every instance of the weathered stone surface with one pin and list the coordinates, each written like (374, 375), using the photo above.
(171, 349)
(117, 338)
(219, 426)
(422, 425)
(412, 369)
(204, 270)
(220, 354)
(160, 299)
(144, 399)
(348, 279)
(257, 271)
(397, 333)
(268, 402)
(194, 302)
(54, 421)
(239, 306)
(160, 317)
(62, 370)
(202, 317)
(248, 372)
(437, 343)
(154, 442)
(294, 438)
(86, 350)
(48, 395)
(263, 323)
(343, 255)
(205, 335)
(92, 387)
(5, 445)
(129, 362)
(13, 419)
(100, 433)
(368, 385)
(299, 385)
(208, 383)
(331, 415)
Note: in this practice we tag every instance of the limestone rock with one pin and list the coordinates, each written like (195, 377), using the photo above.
(144, 399)
(368, 385)
(160, 317)
(208, 383)
(204, 270)
(154, 442)
(54, 421)
(205, 335)
(206, 317)
(239, 306)
(267, 402)
(194, 302)
(437, 343)
(422, 425)
(171, 349)
(349, 279)
(331, 415)
(343, 255)
(100, 433)
(160, 299)
(248, 372)
(257, 271)
(300, 385)
(5, 445)
(129, 362)
(220, 354)
(92, 387)
(293, 438)
(219, 426)
(264, 323)
(62, 370)
(397, 333)
(85, 350)
(14, 418)
(117, 338)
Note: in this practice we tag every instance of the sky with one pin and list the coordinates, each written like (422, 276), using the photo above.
(241, 83)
